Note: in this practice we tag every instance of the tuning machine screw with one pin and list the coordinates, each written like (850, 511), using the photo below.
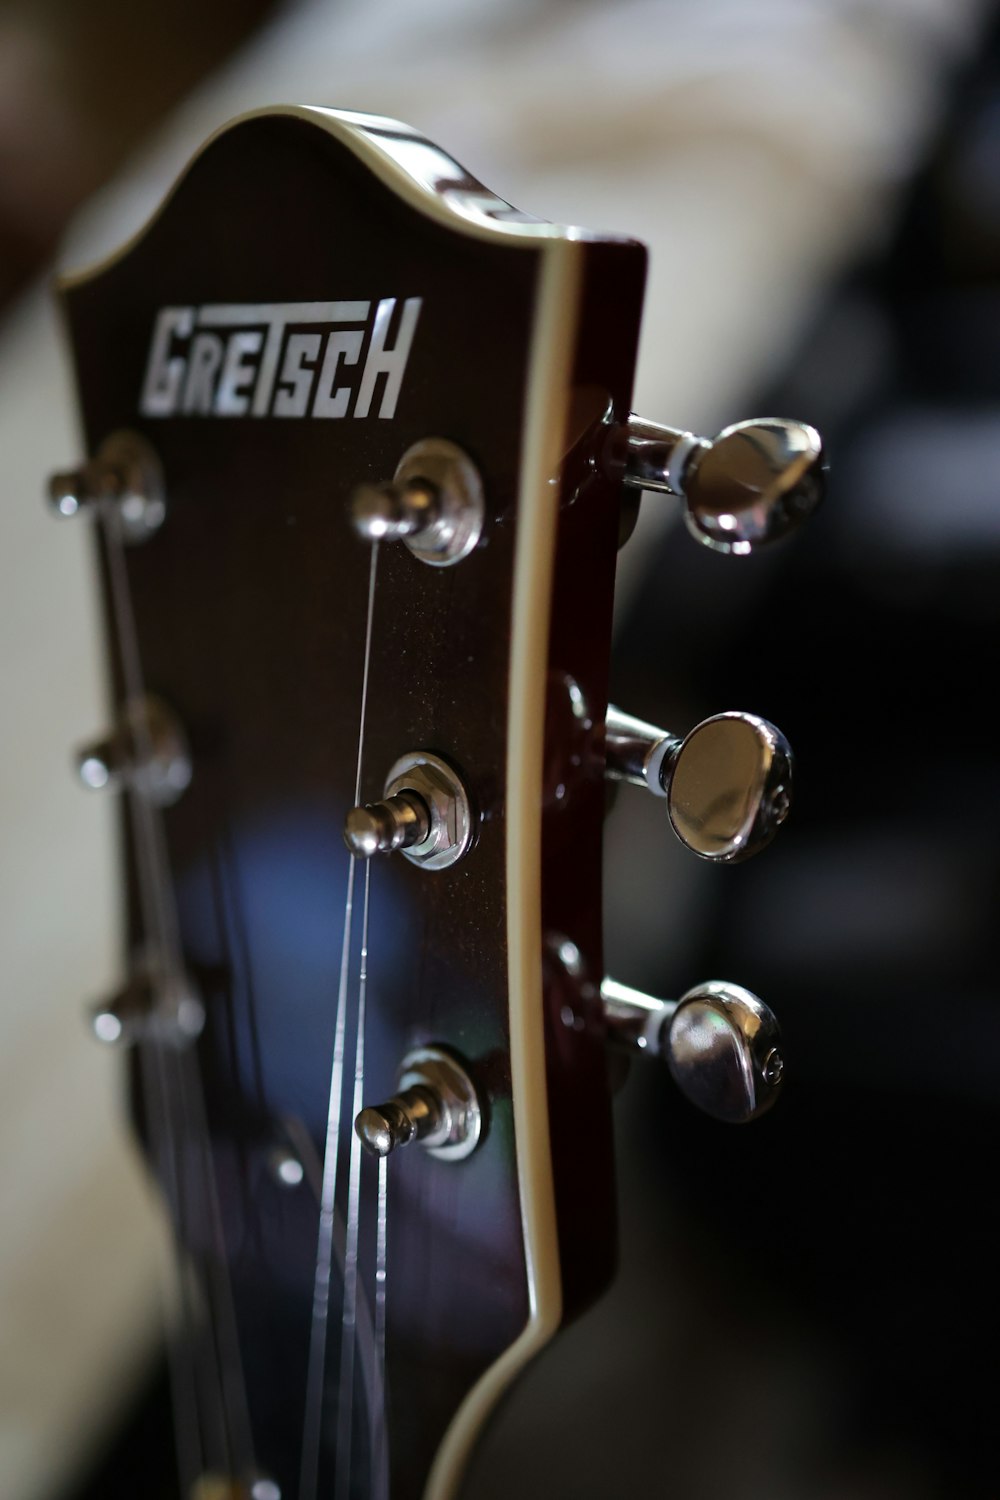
(727, 784)
(436, 1104)
(747, 487)
(147, 750)
(425, 813)
(721, 1044)
(434, 504)
(126, 473)
(285, 1167)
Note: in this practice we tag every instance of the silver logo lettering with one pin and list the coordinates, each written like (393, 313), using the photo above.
(254, 359)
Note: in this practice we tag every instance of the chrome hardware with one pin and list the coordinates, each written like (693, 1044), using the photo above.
(637, 752)
(285, 1167)
(125, 471)
(425, 813)
(434, 504)
(727, 784)
(150, 1007)
(749, 486)
(147, 751)
(263, 1488)
(221, 1487)
(398, 822)
(436, 1104)
(721, 1043)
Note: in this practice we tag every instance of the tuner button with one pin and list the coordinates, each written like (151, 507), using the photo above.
(434, 504)
(721, 1044)
(728, 786)
(755, 483)
(723, 1049)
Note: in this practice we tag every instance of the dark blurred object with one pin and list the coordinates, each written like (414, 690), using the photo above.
(79, 86)
(862, 1213)
(142, 1461)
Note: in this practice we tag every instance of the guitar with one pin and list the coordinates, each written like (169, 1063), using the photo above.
(360, 459)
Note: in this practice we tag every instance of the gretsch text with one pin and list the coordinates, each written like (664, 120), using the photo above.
(279, 359)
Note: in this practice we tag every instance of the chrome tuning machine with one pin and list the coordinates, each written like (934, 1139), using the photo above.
(147, 751)
(126, 474)
(152, 1006)
(425, 812)
(749, 486)
(721, 1044)
(727, 784)
(434, 504)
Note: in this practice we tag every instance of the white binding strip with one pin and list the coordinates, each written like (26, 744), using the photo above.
(552, 345)
(398, 156)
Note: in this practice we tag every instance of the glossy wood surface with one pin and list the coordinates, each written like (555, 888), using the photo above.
(250, 608)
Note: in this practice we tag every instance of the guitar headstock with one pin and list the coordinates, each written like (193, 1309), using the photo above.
(359, 435)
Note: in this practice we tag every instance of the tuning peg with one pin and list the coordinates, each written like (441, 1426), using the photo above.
(727, 784)
(434, 504)
(126, 473)
(149, 1007)
(721, 1043)
(749, 486)
(425, 813)
(147, 750)
(436, 1104)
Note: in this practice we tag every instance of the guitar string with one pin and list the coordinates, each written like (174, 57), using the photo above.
(181, 1356)
(160, 921)
(180, 1351)
(312, 1426)
(371, 1365)
(228, 1379)
(345, 1388)
(200, 1331)
(237, 963)
(381, 1263)
(378, 1391)
(232, 1381)
(316, 1370)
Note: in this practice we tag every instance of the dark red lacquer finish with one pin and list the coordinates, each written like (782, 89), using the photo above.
(250, 607)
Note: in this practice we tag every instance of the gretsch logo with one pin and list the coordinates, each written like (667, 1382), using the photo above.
(279, 359)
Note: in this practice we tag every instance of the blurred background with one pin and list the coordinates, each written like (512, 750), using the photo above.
(806, 1308)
